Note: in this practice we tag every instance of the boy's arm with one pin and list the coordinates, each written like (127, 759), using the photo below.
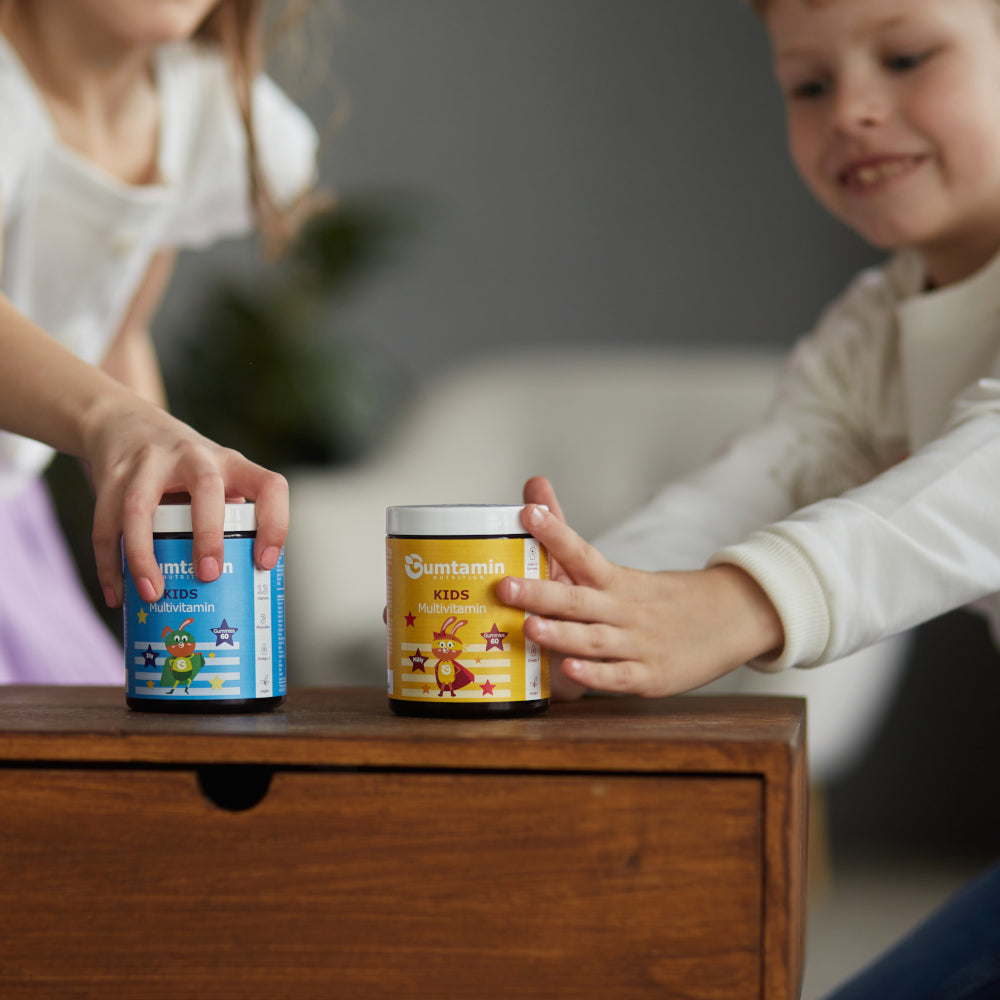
(626, 630)
(911, 544)
(914, 542)
(834, 423)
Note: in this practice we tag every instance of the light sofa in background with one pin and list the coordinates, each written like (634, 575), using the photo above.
(608, 426)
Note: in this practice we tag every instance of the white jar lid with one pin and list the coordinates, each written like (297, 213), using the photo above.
(176, 517)
(455, 519)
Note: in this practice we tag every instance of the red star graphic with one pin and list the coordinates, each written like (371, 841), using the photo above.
(410, 619)
(494, 638)
(487, 687)
(418, 660)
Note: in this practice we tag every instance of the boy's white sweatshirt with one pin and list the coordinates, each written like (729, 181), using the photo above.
(868, 500)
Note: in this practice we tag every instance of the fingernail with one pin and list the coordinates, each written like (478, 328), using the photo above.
(532, 515)
(110, 597)
(513, 588)
(208, 568)
(146, 590)
(269, 557)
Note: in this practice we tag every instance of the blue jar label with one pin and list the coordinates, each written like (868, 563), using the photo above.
(207, 641)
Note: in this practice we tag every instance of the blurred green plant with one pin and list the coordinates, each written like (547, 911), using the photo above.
(266, 368)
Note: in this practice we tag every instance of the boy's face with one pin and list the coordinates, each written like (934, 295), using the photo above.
(893, 111)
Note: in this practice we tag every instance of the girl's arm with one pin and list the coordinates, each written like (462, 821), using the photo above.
(131, 358)
(136, 452)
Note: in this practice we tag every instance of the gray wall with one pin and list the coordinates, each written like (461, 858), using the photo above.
(589, 171)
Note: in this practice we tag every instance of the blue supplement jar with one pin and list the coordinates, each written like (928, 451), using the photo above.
(206, 647)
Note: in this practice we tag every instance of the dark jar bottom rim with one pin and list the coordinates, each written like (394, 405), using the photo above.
(467, 710)
(204, 707)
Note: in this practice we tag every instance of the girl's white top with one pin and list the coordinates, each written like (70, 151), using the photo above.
(77, 241)
(866, 501)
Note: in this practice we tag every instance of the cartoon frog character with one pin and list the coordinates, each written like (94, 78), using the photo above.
(182, 663)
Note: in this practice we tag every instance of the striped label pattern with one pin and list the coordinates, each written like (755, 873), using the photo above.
(449, 638)
(207, 641)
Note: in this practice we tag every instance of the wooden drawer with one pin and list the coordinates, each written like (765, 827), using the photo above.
(452, 872)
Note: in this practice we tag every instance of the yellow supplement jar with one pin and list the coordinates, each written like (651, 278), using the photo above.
(453, 649)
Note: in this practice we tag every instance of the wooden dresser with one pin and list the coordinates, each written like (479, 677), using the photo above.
(610, 848)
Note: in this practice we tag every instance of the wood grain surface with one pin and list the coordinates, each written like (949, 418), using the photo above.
(615, 848)
(354, 727)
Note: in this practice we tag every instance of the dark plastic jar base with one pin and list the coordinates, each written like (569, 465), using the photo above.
(203, 706)
(465, 710)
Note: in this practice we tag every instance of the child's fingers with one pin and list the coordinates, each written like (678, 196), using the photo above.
(269, 492)
(563, 688)
(539, 490)
(580, 561)
(208, 512)
(107, 542)
(586, 640)
(554, 599)
(137, 506)
(272, 519)
(616, 677)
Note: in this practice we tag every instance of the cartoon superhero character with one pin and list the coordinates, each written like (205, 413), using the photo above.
(182, 664)
(447, 647)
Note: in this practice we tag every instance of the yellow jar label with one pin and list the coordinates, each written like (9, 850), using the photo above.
(450, 639)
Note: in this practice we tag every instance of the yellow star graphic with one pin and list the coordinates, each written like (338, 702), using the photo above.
(142, 616)
(217, 682)
(149, 684)
(211, 656)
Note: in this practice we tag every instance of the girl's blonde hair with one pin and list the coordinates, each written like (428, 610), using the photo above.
(236, 28)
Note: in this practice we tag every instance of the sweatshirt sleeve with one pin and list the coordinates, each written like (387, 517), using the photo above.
(914, 542)
(718, 505)
(812, 443)
(817, 504)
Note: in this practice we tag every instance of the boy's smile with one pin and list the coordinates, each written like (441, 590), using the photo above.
(874, 173)
(893, 109)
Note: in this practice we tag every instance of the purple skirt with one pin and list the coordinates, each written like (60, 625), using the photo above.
(49, 631)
